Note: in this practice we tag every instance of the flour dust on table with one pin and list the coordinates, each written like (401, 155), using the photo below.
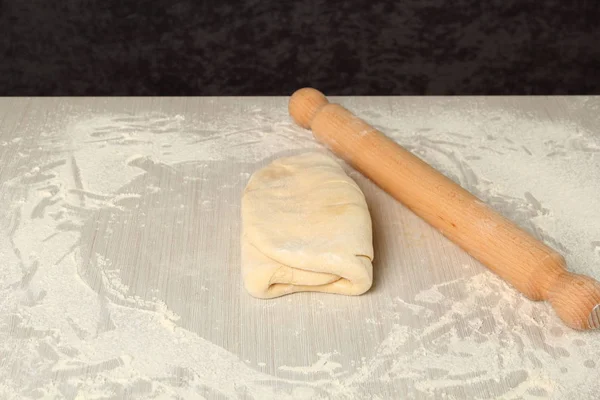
(119, 236)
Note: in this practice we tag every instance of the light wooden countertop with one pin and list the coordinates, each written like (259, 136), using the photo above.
(119, 255)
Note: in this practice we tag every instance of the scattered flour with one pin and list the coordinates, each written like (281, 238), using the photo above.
(324, 364)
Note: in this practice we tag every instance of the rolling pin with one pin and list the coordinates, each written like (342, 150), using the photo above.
(536, 270)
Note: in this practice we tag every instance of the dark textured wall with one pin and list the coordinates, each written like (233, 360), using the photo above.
(269, 47)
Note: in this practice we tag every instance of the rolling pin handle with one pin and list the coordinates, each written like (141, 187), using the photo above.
(576, 300)
(304, 104)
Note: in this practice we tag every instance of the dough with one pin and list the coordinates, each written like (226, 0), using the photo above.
(306, 227)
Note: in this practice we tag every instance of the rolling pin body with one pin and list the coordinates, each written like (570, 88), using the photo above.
(532, 267)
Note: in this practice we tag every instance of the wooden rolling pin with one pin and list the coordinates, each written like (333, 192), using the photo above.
(529, 265)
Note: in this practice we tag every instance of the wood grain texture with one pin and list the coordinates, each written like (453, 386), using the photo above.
(119, 242)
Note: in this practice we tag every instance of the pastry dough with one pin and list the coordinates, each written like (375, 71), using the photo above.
(306, 227)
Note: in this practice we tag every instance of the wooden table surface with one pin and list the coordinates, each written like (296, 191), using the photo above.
(120, 265)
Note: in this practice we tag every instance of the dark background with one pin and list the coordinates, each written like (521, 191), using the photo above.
(270, 47)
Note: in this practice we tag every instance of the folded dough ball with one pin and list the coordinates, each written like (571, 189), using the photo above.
(306, 227)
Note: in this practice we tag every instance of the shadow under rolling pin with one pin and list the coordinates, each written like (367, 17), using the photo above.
(535, 269)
